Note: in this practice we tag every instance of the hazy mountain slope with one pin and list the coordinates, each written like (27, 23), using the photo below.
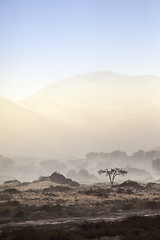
(122, 108)
(27, 133)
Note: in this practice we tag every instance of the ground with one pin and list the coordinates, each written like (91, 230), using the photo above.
(46, 203)
(41, 200)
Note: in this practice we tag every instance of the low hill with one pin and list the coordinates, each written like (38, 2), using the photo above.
(59, 179)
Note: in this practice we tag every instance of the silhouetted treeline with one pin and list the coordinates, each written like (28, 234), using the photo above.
(140, 154)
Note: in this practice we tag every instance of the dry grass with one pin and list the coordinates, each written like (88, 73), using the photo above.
(46, 200)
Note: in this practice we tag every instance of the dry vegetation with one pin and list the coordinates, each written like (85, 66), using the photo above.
(136, 227)
(46, 201)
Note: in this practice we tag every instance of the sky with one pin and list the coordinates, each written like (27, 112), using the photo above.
(43, 41)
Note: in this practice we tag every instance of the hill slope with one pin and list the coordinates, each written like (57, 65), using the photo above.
(120, 108)
(28, 133)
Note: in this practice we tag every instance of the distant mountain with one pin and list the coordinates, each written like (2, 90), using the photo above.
(28, 133)
(99, 111)
(122, 110)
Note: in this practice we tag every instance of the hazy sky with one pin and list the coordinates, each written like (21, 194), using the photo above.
(42, 41)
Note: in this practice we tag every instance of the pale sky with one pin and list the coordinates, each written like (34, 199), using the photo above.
(43, 41)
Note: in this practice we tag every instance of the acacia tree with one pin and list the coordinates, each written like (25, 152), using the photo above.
(112, 173)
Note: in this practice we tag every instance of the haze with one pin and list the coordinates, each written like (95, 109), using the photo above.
(78, 77)
(99, 111)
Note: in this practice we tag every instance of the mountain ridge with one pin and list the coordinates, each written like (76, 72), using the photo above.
(109, 109)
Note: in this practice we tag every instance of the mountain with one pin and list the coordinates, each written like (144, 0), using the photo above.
(99, 111)
(123, 111)
(28, 133)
